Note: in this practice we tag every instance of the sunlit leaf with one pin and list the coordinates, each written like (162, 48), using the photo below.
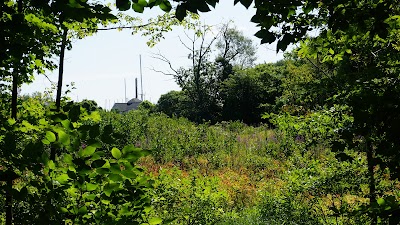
(91, 187)
(88, 151)
(155, 221)
(50, 136)
(116, 153)
(63, 137)
(62, 179)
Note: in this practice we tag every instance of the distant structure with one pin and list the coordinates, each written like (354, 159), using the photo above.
(134, 102)
(126, 107)
(131, 104)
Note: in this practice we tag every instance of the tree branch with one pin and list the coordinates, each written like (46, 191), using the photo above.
(161, 57)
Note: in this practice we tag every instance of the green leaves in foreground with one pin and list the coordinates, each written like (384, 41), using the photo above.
(140, 5)
(89, 181)
(116, 153)
(108, 185)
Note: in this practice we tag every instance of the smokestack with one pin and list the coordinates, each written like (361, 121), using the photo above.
(136, 88)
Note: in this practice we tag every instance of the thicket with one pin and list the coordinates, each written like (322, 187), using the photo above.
(232, 173)
(332, 157)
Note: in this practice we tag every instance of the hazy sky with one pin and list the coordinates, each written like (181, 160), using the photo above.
(99, 64)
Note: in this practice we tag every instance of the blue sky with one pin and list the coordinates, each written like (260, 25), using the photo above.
(99, 64)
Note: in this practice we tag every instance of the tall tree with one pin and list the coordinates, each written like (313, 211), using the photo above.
(251, 92)
(235, 48)
(202, 82)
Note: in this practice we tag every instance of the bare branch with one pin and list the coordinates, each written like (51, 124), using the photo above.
(125, 27)
(161, 57)
(159, 71)
(52, 82)
(184, 44)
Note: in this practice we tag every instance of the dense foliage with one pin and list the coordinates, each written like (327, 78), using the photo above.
(331, 158)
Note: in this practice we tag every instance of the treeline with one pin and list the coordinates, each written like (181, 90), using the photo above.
(247, 94)
(224, 84)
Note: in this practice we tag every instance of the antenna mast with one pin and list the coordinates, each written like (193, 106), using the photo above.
(141, 77)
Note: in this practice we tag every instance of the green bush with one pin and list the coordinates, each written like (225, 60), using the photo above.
(188, 199)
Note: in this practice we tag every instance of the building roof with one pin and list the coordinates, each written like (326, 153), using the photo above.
(125, 107)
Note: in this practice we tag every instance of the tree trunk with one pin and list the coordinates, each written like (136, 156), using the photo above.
(14, 98)
(60, 82)
(61, 68)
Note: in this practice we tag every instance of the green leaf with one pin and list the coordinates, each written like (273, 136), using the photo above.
(153, 3)
(91, 187)
(125, 211)
(180, 12)
(116, 153)
(11, 121)
(88, 151)
(67, 158)
(106, 165)
(246, 3)
(50, 136)
(123, 5)
(133, 156)
(129, 174)
(380, 201)
(105, 202)
(95, 116)
(201, 6)
(115, 177)
(51, 164)
(63, 138)
(91, 197)
(213, 3)
(66, 124)
(74, 113)
(75, 4)
(98, 163)
(142, 3)
(115, 168)
(110, 187)
(331, 51)
(64, 210)
(45, 158)
(82, 210)
(137, 8)
(130, 148)
(62, 179)
(155, 221)
(102, 171)
(94, 131)
(284, 42)
(165, 6)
